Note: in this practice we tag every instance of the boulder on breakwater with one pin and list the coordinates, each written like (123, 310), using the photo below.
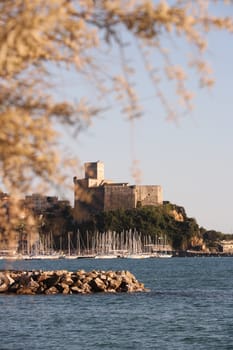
(66, 282)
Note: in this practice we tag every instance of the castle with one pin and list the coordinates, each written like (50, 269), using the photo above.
(94, 193)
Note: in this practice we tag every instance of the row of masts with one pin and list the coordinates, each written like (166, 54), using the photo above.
(95, 244)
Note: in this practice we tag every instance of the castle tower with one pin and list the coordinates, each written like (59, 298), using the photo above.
(94, 170)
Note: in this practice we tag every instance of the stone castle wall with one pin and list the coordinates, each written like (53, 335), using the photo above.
(148, 195)
(94, 194)
(119, 197)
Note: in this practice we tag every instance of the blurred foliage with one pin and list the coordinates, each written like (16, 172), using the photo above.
(57, 220)
(40, 40)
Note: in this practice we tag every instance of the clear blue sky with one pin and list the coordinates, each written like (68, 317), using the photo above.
(192, 161)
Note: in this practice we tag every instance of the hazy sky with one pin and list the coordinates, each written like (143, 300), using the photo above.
(191, 160)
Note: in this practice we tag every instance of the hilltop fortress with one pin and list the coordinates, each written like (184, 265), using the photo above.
(94, 193)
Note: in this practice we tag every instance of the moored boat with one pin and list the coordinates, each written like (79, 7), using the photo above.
(106, 256)
(164, 255)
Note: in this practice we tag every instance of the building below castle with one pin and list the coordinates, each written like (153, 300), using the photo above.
(95, 194)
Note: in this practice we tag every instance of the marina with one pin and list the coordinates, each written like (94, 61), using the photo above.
(107, 245)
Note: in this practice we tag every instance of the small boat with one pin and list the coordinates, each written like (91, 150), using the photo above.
(71, 257)
(138, 256)
(106, 256)
(164, 255)
(10, 257)
(43, 257)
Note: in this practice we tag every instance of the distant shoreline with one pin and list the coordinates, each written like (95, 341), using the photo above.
(171, 254)
(201, 254)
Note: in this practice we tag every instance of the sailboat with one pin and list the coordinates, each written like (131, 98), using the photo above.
(164, 254)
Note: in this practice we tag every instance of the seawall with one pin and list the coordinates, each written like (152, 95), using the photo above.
(66, 282)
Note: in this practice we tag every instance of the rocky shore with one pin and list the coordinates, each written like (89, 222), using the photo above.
(66, 282)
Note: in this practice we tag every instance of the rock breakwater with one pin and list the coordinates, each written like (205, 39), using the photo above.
(66, 282)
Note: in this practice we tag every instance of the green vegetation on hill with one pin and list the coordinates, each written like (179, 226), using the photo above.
(168, 219)
(212, 238)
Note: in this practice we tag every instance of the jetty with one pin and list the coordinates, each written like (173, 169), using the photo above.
(66, 282)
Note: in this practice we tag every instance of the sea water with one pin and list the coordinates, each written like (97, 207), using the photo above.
(189, 306)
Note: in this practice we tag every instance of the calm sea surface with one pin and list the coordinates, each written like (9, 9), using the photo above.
(190, 306)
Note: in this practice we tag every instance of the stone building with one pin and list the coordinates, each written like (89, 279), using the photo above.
(38, 203)
(94, 193)
(226, 247)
